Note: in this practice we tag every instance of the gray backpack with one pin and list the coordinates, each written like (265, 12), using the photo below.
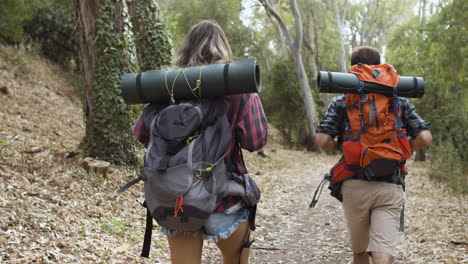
(184, 172)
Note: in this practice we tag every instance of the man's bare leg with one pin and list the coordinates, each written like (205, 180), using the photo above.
(381, 258)
(361, 258)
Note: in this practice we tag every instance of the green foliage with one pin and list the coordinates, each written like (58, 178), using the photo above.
(437, 51)
(152, 38)
(382, 19)
(183, 14)
(13, 14)
(113, 226)
(320, 18)
(53, 27)
(79, 173)
(283, 101)
(111, 137)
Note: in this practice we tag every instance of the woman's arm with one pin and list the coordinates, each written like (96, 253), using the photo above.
(252, 129)
(140, 130)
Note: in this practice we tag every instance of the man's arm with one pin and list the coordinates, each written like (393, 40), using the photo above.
(331, 125)
(417, 128)
(326, 142)
(422, 140)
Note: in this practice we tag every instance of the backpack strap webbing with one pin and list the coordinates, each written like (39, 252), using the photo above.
(402, 219)
(129, 184)
(148, 234)
(138, 88)
(396, 104)
(141, 177)
(247, 244)
(226, 78)
(319, 189)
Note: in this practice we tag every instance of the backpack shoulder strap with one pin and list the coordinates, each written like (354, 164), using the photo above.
(148, 234)
(396, 107)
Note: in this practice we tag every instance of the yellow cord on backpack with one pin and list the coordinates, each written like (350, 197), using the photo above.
(208, 169)
(171, 92)
(189, 139)
(198, 86)
(192, 90)
(199, 82)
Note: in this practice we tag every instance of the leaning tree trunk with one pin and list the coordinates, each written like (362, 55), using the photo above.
(152, 41)
(339, 21)
(105, 56)
(307, 97)
(296, 48)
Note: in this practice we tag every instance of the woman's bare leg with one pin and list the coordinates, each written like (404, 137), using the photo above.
(186, 249)
(232, 247)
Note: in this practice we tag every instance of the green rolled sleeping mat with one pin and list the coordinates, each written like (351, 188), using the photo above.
(164, 86)
(338, 82)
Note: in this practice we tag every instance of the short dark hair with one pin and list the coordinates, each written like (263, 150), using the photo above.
(366, 55)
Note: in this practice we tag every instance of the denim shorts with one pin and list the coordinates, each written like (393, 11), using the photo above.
(219, 225)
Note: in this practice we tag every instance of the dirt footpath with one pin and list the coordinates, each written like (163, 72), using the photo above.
(53, 211)
(290, 232)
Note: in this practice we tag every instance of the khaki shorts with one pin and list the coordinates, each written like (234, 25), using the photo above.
(372, 211)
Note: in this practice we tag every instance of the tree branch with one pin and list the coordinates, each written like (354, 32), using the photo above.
(272, 10)
(345, 11)
(297, 18)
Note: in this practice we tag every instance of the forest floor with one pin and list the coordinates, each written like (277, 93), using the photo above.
(53, 211)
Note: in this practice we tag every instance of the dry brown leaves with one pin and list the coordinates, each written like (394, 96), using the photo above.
(52, 211)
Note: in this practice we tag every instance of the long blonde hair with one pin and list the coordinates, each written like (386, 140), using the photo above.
(205, 43)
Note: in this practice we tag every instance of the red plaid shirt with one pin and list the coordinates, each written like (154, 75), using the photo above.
(249, 130)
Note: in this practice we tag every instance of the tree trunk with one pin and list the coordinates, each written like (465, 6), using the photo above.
(306, 96)
(86, 12)
(312, 44)
(310, 51)
(422, 11)
(339, 21)
(105, 56)
(152, 42)
(296, 48)
(364, 22)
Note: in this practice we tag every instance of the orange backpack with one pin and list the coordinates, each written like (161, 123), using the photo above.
(375, 144)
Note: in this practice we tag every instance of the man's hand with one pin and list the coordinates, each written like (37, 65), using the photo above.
(326, 142)
(422, 140)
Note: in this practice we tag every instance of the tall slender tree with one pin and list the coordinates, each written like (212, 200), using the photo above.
(340, 16)
(295, 46)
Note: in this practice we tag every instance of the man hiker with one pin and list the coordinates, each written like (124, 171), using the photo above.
(372, 197)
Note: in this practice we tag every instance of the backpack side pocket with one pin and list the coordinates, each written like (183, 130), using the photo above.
(352, 151)
(402, 138)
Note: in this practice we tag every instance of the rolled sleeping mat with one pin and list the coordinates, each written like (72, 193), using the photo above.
(338, 82)
(214, 80)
